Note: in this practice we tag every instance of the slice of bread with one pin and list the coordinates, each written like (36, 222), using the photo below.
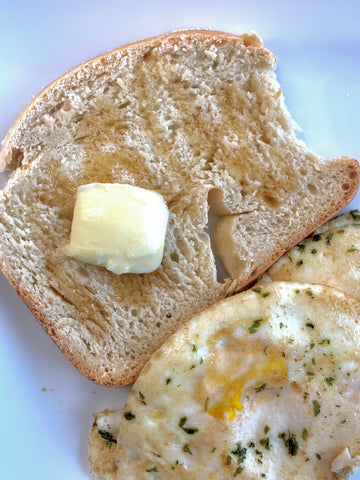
(195, 115)
(245, 377)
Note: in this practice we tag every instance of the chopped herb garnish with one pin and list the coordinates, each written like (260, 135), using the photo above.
(316, 407)
(142, 398)
(318, 456)
(281, 325)
(324, 341)
(290, 258)
(152, 469)
(290, 442)
(310, 325)
(355, 214)
(251, 445)
(186, 449)
(129, 415)
(310, 293)
(206, 404)
(261, 387)
(314, 251)
(301, 248)
(310, 374)
(239, 452)
(305, 434)
(255, 326)
(257, 289)
(213, 450)
(174, 465)
(238, 470)
(201, 360)
(316, 237)
(312, 345)
(265, 442)
(328, 238)
(194, 348)
(167, 381)
(330, 381)
(352, 249)
(266, 429)
(192, 366)
(306, 395)
(228, 460)
(107, 436)
(299, 263)
(188, 430)
(265, 294)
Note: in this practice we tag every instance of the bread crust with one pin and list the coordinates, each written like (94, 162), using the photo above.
(252, 41)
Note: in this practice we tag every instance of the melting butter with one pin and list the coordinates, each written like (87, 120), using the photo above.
(118, 226)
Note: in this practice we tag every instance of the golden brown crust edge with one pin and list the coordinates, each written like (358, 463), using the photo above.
(352, 167)
(252, 40)
(89, 371)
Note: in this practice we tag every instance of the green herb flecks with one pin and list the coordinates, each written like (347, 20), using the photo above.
(329, 238)
(265, 442)
(259, 290)
(290, 442)
(260, 387)
(299, 263)
(355, 215)
(188, 430)
(142, 398)
(316, 238)
(255, 326)
(238, 470)
(239, 453)
(129, 416)
(310, 325)
(330, 381)
(186, 449)
(152, 469)
(301, 248)
(318, 456)
(107, 436)
(316, 407)
(305, 434)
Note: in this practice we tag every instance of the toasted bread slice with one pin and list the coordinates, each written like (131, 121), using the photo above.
(274, 378)
(197, 116)
(330, 256)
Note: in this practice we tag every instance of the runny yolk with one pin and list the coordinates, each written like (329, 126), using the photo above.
(271, 371)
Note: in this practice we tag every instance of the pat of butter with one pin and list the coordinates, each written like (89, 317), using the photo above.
(119, 227)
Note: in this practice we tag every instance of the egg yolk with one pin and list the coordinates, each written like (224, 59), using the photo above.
(230, 401)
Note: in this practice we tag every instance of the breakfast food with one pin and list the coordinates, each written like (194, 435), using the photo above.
(330, 256)
(119, 227)
(260, 385)
(197, 116)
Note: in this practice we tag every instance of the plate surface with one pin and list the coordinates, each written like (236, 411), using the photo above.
(46, 404)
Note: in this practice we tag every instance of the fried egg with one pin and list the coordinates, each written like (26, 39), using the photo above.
(331, 256)
(265, 384)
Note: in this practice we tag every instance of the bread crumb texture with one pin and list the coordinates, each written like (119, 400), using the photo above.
(197, 116)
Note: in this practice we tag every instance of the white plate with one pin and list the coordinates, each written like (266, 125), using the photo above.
(46, 404)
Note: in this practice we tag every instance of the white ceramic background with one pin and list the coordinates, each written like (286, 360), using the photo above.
(46, 405)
